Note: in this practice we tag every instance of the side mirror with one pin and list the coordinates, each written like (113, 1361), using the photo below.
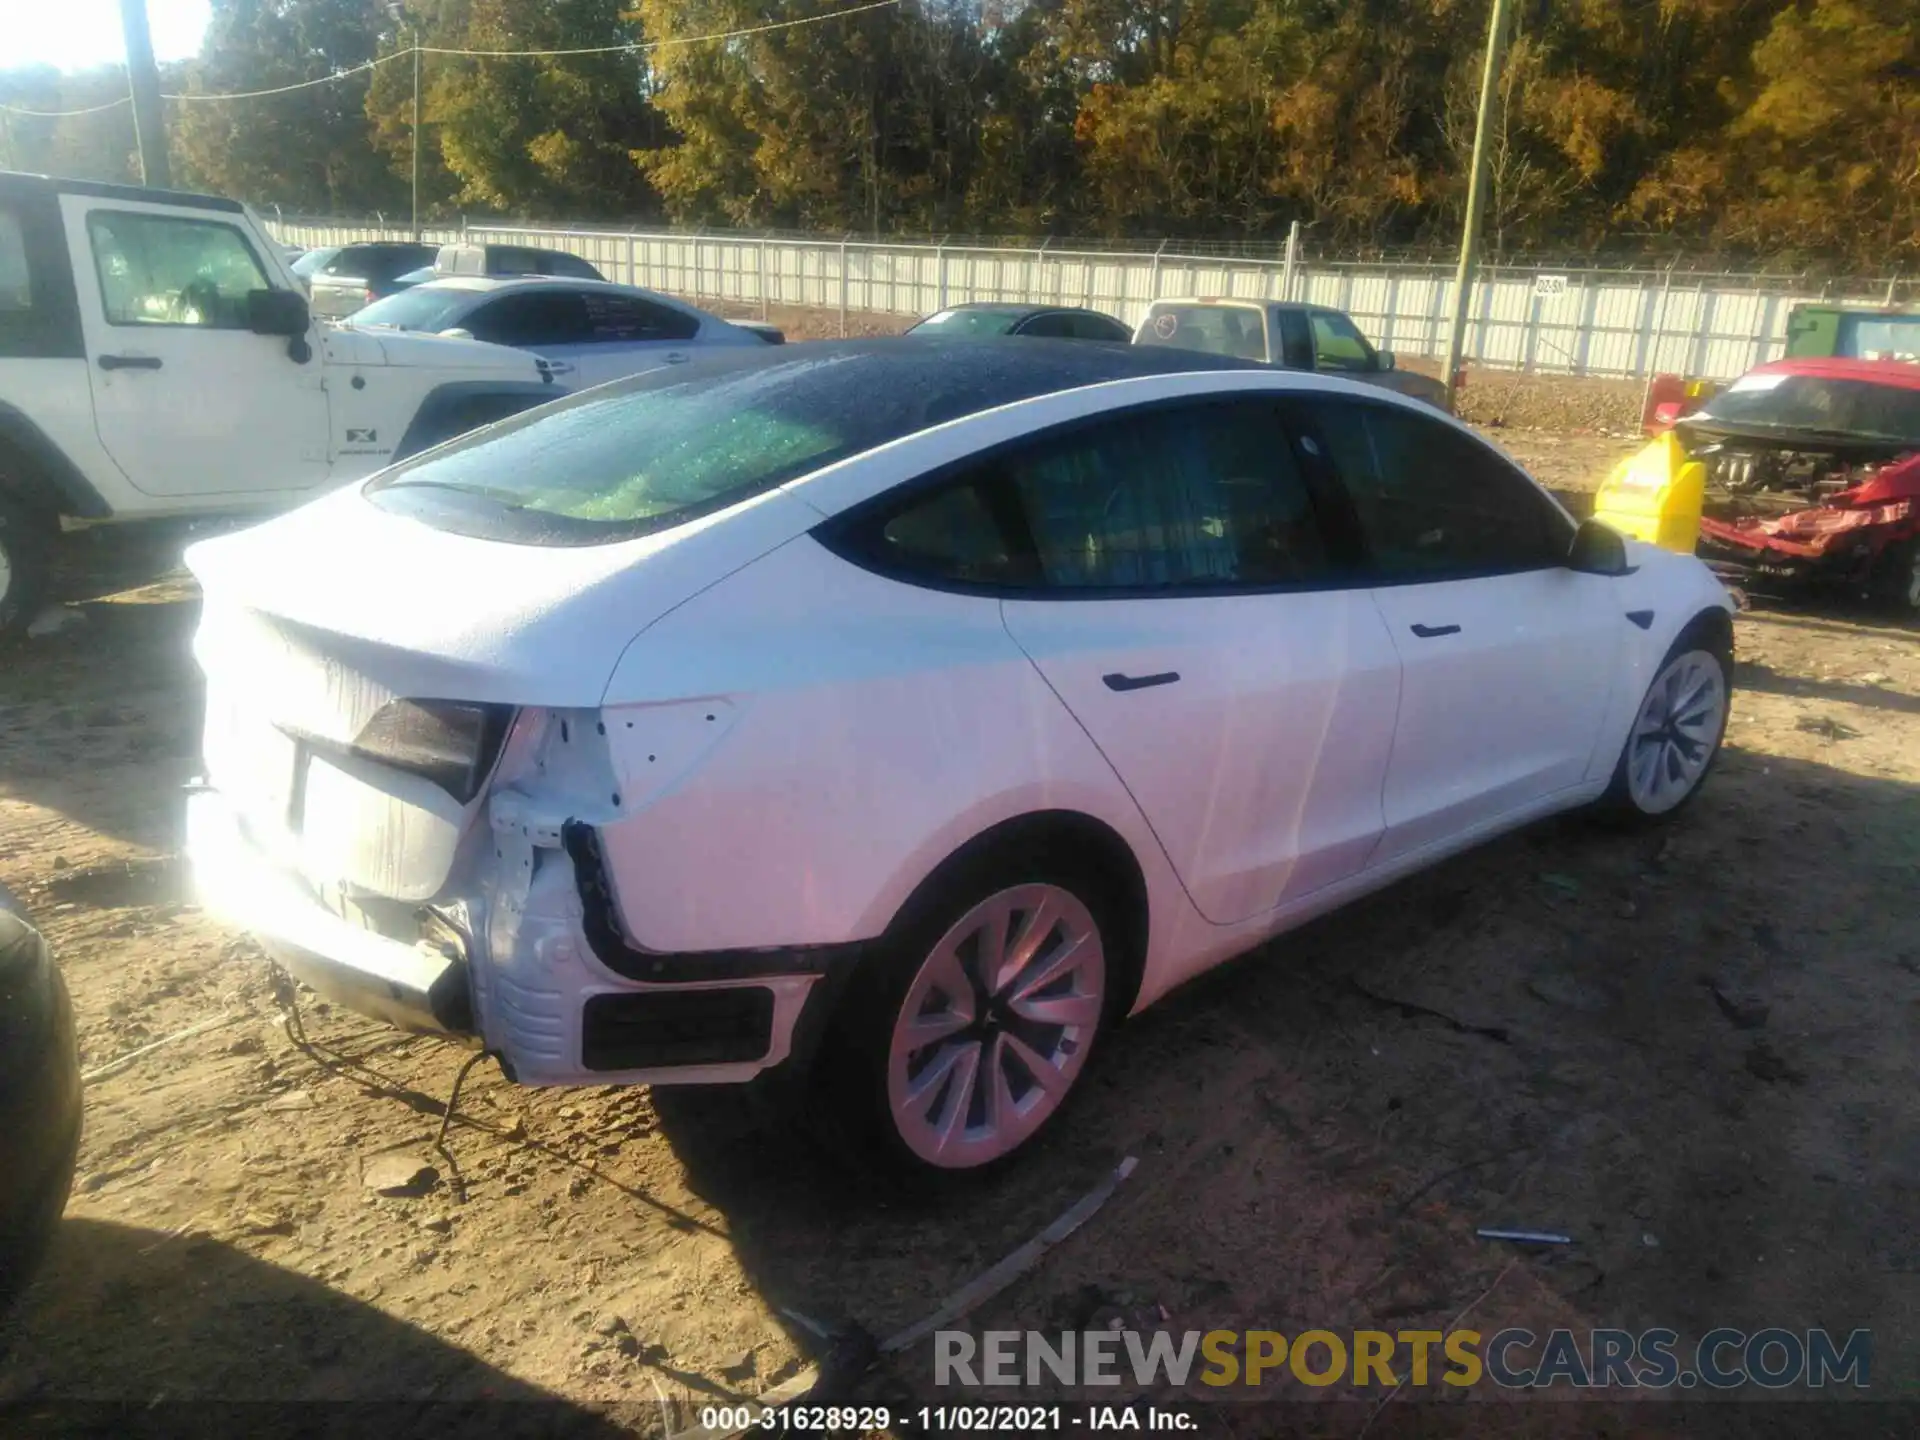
(277, 312)
(1386, 360)
(1598, 549)
(456, 333)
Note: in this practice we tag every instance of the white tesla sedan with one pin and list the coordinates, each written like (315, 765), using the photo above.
(916, 709)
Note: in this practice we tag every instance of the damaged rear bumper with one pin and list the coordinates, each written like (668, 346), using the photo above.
(420, 986)
(546, 982)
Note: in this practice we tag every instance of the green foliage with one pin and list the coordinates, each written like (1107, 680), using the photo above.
(1778, 128)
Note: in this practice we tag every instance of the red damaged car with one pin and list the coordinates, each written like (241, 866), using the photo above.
(1816, 465)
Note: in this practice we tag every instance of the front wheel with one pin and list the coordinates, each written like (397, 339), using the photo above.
(1676, 733)
(1896, 579)
(981, 1015)
(26, 537)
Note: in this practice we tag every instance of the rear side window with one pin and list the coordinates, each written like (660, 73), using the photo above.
(1433, 502)
(613, 318)
(1099, 327)
(1195, 497)
(1050, 327)
(571, 266)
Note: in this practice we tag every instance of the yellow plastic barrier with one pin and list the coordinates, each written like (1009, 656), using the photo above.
(1655, 495)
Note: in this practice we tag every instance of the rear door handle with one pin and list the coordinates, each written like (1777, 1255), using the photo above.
(1117, 681)
(1429, 632)
(129, 362)
(677, 357)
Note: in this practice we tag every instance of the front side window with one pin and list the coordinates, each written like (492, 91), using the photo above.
(165, 270)
(532, 317)
(1196, 497)
(1338, 343)
(1433, 502)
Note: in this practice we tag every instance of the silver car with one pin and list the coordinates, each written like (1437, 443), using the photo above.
(1294, 337)
(587, 331)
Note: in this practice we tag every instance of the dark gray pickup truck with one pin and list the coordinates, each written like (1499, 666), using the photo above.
(1294, 337)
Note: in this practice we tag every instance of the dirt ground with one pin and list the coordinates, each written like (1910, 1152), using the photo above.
(1693, 1052)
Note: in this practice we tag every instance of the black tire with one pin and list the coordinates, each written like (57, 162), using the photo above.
(41, 1102)
(850, 1099)
(26, 540)
(1895, 583)
(1710, 636)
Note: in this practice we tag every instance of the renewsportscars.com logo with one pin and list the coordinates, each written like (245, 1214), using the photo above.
(1723, 1359)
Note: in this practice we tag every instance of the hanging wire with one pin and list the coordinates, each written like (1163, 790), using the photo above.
(634, 48)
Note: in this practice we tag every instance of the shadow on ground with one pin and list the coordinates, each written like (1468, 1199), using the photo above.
(130, 1331)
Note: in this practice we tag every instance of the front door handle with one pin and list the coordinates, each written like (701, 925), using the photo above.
(678, 357)
(1117, 681)
(129, 362)
(1429, 632)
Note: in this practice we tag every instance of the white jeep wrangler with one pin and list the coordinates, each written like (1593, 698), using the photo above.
(158, 359)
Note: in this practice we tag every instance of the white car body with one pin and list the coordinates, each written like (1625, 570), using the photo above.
(735, 752)
(587, 331)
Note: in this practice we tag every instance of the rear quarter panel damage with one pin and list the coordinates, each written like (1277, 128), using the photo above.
(805, 742)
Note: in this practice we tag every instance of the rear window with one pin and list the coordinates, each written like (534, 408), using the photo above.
(376, 262)
(309, 264)
(680, 441)
(1234, 330)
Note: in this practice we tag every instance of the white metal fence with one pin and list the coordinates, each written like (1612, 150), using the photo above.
(1621, 323)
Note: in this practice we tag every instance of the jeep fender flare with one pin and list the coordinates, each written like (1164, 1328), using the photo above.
(452, 409)
(61, 488)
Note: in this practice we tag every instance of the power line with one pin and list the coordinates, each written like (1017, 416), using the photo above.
(637, 47)
(67, 114)
(641, 46)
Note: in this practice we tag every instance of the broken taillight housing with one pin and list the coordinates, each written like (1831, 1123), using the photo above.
(453, 743)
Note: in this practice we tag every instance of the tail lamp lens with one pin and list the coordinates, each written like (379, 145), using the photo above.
(452, 743)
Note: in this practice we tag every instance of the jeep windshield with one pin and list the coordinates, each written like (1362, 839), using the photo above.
(1822, 409)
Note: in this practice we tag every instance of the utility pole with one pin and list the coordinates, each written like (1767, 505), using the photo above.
(416, 136)
(1476, 191)
(149, 126)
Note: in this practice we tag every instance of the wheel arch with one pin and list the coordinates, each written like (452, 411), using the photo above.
(35, 470)
(1094, 846)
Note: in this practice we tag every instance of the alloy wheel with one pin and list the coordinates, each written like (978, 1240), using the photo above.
(996, 1026)
(1676, 732)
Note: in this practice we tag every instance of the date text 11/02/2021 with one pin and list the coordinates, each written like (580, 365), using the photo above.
(941, 1419)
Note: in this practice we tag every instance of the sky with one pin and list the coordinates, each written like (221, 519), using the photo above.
(76, 34)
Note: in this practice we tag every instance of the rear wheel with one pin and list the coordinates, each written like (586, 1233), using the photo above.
(1676, 733)
(974, 1024)
(25, 538)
